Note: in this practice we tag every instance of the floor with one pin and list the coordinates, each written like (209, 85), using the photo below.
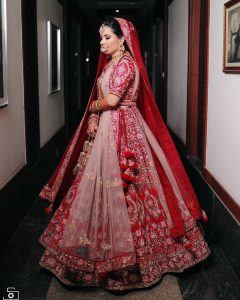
(19, 268)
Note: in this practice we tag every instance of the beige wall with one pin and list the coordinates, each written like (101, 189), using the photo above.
(177, 67)
(51, 107)
(12, 124)
(223, 109)
(223, 121)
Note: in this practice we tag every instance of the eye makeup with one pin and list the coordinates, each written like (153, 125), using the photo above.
(106, 35)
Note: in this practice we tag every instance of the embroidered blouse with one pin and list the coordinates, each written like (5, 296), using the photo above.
(120, 78)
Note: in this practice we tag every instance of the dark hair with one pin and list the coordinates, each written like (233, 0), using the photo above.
(114, 25)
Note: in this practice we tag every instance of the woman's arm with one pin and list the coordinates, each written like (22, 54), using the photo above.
(107, 103)
(93, 124)
(119, 82)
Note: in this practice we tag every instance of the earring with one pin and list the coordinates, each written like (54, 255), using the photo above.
(122, 48)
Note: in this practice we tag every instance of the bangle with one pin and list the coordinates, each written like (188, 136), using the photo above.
(92, 122)
(93, 116)
(98, 105)
(92, 106)
(95, 106)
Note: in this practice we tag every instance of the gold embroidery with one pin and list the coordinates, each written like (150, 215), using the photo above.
(83, 240)
(90, 176)
(105, 246)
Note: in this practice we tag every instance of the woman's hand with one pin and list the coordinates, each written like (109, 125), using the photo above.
(92, 129)
(107, 103)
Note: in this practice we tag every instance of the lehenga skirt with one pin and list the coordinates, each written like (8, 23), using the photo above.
(113, 227)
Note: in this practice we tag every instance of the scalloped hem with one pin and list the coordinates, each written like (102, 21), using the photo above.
(126, 278)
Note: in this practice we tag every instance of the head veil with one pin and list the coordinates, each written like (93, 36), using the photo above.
(60, 181)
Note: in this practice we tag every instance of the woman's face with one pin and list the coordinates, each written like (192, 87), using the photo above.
(109, 41)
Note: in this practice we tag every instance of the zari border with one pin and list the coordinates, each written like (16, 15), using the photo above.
(126, 287)
(88, 265)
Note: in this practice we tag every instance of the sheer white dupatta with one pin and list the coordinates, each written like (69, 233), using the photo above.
(98, 226)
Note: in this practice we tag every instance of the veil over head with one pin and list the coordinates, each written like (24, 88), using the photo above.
(60, 181)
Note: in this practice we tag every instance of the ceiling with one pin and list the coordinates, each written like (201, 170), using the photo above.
(138, 11)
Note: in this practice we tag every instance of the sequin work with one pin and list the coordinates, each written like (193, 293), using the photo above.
(155, 251)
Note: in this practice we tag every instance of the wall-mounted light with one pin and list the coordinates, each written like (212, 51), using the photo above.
(87, 60)
(54, 57)
(116, 10)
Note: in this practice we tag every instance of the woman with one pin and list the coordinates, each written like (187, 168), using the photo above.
(129, 215)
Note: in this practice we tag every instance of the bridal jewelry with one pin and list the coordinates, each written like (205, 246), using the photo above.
(122, 48)
(95, 106)
(98, 108)
(115, 57)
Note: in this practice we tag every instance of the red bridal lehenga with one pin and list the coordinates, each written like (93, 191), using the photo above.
(129, 215)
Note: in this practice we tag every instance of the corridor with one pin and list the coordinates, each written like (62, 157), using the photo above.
(50, 70)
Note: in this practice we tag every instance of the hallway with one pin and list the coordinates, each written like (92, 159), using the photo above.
(49, 54)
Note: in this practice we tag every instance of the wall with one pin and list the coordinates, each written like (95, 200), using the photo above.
(51, 107)
(12, 123)
(177, 67)
(223, 121)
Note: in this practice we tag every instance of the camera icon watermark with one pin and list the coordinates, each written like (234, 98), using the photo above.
(12, 294)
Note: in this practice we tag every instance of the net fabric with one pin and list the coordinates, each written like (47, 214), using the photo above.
(62, 178)
(98, 226)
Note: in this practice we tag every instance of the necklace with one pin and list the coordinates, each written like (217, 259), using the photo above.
(115, 57)
(112, 60)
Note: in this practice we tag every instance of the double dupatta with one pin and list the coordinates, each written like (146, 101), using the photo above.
(60, 181)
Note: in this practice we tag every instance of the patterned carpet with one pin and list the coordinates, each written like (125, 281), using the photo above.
(167, 289)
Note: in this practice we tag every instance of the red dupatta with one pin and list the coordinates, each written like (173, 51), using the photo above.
(60, 181)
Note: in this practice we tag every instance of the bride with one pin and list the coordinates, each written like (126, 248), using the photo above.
(128, 211)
